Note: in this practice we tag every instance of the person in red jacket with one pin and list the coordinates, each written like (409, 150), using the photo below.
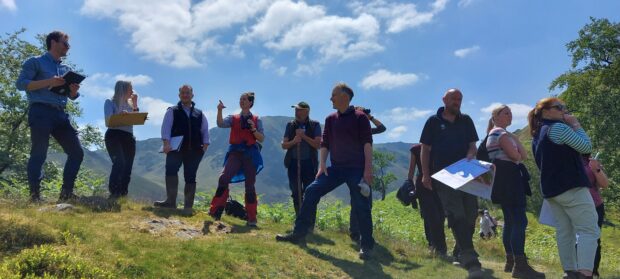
(243, 160)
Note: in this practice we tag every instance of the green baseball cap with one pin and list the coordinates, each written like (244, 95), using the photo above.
(301, 105)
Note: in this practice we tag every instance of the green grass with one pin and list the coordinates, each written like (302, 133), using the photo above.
(87, 243)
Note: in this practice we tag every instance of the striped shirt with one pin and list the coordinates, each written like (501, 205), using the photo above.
(560, 133)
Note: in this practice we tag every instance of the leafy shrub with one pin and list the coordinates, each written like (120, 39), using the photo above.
(47, 262)
(16, 236)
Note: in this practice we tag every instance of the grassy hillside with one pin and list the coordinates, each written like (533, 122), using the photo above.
(123, 244)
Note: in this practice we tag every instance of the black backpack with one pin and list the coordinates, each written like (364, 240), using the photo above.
(235, 209)
(483, 154)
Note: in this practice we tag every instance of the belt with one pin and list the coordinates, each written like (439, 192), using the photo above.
(54, 106)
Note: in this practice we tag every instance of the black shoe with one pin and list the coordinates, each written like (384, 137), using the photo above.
(67, 197)
(475, 272)
(164, 204)
(35, 198)
(291, 237)
(365, 253)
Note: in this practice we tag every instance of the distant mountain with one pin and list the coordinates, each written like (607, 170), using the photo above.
(147, 181)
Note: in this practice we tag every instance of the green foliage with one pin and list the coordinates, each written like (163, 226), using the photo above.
(382, 178)
(15, 236)
(49, 262)
(14, 131)
(592, 92)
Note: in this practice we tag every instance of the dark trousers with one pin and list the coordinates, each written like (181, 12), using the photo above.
(44, 121)
(354, 224)
(307, 173)
(461, 209)
(434, 218)
(515, 223)
(121, 146)
(327, 183)
(190, 159)
(237, 160)
(597, 258)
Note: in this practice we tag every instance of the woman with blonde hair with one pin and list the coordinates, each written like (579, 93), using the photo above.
(510, 188)
(119, 140)
(558, 142)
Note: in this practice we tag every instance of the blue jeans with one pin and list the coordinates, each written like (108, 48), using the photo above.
(190, 159)
(515, 222)
(327, 183)
(45, 120)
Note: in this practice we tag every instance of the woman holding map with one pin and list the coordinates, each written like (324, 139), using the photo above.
(510, 187)
(119, 141)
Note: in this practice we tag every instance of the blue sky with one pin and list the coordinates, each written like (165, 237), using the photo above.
(398, 56)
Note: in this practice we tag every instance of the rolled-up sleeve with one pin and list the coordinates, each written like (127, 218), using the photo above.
(26, 75)
(204, 129)
(166, 126)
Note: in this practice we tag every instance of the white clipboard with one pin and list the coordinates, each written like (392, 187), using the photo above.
(175, 144)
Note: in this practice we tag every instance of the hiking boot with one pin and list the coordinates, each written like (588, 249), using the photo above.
(172, 185)
(189, 192)
(35, 198)
(475, 272)
(291, 237)
(365, 253)
(523, 270)
(217, 215)
(67, 197)
(510, 262)
(251, 224)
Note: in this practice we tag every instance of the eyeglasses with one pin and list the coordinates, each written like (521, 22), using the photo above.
(559, 107)
(65, 43)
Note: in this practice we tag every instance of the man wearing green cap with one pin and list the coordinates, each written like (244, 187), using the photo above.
(302, 139)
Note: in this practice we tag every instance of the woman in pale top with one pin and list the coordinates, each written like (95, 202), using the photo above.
(119, 140)
(510, 187)
(558, 142)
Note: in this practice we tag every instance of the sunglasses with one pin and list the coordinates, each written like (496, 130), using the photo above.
(559, 107)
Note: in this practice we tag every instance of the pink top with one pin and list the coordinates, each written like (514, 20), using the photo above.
(594, 191)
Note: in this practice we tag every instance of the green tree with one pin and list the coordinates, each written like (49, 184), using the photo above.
(14, 131)
(381, 177)
(592, 92)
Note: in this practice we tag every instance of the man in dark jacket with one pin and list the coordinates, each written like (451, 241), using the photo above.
(302, 139)
(189, 122)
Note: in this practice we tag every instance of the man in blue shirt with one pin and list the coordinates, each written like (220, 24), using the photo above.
(47, 116)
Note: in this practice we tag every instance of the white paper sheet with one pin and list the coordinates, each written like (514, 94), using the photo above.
(546, 216)
(461, 172)
(175, 144)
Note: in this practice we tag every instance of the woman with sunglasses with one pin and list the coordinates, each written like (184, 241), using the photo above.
(558, 142)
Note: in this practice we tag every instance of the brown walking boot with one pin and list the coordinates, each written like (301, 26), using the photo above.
(172, 185)
(522, 269)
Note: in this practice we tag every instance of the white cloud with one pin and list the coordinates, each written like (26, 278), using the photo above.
(399, 16)
(462, 53)
(306, 29)
(9, 5)
(181, 33)
(156, 109)
(519, 112)
(268, 64)
(387, 80)
(405, 115)
(101, 85)
(137, 80)
(397, 132)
